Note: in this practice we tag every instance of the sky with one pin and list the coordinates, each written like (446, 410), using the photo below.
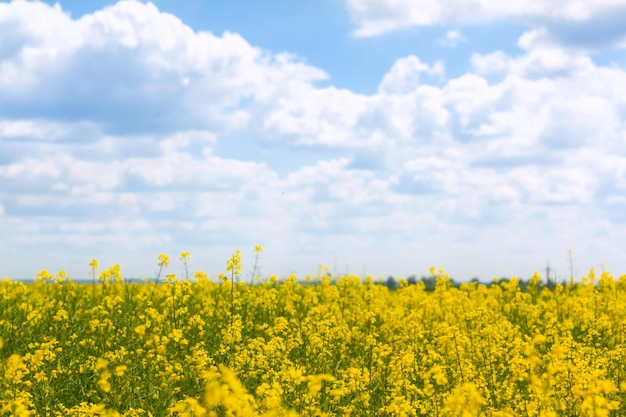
(374, 137)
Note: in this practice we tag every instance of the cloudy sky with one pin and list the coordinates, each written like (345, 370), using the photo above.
(378, 136)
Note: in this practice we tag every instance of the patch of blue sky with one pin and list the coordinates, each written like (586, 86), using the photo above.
(610, 58)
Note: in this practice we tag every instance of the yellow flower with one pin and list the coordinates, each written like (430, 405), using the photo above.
(234, 263)
(60, 315)
(535, 279)
(103, 381)
(93, 264)
(120, 370)
(101, 364)
(61, 276)
(176, 335)
(163, 260)
(200, 276)
(116, 273)
(15, 369)
(464, 401)
(188, 407)
(141, 330)
(429, 389)
(44, 275)
(105, 276)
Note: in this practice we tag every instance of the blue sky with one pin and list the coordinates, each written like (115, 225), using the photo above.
(371, 136)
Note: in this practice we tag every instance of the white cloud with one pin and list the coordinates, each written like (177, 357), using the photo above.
(368, 12)
(404, 75)
(130, 66)
(494, 62)
(310, 116)
(453, 38)
(32, 129)
(598, 18)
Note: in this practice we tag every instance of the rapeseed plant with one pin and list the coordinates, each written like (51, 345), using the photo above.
(335, 346)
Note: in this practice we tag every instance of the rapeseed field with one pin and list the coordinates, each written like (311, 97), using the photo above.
(323, 346)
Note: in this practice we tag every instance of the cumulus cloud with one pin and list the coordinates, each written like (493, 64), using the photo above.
(404, 75)
(532, 138)
(129, 66)
(590, 24)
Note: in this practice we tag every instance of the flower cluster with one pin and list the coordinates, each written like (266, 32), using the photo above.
(327, 346)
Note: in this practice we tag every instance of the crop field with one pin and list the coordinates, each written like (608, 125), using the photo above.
(315, 346)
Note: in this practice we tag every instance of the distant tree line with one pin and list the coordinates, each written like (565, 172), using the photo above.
(430, 282)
